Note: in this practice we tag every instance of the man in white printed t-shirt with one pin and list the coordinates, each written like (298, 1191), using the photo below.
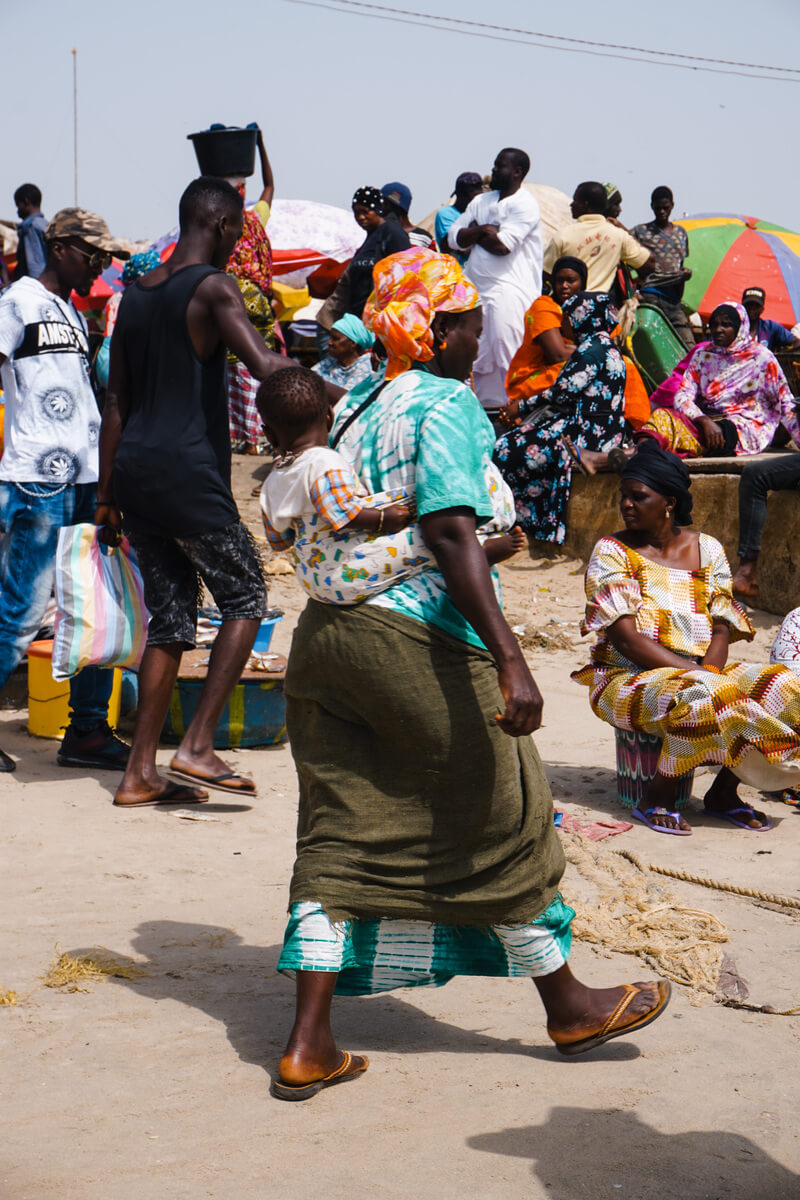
(49, 468)
(502, 231)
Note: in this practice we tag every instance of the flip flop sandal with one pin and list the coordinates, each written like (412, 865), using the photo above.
(351, 1066)
(221, 782)
(729, 815)
(575, 455)
(177, 795)
(611, 1027)
(661, 812)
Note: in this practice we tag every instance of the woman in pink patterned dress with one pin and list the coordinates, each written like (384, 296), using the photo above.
(732, 398)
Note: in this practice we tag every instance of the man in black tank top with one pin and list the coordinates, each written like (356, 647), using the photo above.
(165, 475)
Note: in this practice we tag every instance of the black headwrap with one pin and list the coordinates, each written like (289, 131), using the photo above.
(590, 313)
(571, 264)
(370, 197)
(664, 473)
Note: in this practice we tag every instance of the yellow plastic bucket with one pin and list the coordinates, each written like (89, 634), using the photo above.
(48, 699)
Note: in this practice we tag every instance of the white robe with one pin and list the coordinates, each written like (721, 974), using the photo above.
(508, 283)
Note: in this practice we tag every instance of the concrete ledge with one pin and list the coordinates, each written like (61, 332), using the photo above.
(593, 511)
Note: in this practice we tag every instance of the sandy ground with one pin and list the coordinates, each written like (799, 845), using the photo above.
(157, 1089)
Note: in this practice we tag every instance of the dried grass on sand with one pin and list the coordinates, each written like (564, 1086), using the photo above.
(631, 912)
(69, 971)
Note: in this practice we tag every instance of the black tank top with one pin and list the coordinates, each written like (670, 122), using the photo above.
(172, 473)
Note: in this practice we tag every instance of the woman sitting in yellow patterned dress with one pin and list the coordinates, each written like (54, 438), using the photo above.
(659, 597)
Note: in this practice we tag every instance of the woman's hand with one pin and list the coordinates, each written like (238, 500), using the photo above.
(524, 703)
(641, 650)
(396, 517)
(109, 519)
(712, 434)
(510, 414)
(717, 653)
(450, 536)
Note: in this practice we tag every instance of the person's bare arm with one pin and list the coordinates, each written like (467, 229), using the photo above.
(491, 242)
(553, 346)
(473, 234)
(450, 536)
(717, 653)
(115, 414)
(395, 518)
(647, 267)
(267, 176)
(641, 650)
(219, 300)
(217, 314)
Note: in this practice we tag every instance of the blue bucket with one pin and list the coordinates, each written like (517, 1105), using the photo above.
(265, 630)
(264, 635)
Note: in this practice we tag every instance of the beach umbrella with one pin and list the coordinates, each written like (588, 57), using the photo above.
(729, 252)
(305, 236)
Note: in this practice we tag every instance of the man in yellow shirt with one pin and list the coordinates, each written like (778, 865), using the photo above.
(596, 241)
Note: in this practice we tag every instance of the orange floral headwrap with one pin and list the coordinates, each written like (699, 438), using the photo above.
(410, 287)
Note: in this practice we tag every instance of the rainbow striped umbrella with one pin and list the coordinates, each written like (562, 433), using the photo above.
(729, 252)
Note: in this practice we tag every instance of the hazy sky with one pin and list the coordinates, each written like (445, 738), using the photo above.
(350, 100)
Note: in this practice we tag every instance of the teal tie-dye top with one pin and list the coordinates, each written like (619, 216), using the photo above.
(430, 435)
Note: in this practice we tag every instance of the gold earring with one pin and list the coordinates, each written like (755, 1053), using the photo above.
(443, 344)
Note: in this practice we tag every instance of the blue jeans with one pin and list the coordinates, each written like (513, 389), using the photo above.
(31, 515)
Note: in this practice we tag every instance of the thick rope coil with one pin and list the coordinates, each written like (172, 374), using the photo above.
(631, 914)
(674, 873)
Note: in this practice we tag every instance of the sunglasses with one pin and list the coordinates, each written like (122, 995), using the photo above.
(99, 260)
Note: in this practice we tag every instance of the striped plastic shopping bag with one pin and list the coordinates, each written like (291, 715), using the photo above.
(101, 619)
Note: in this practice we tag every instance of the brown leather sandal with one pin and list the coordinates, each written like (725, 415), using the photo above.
(351, 1066)
(611, 1027)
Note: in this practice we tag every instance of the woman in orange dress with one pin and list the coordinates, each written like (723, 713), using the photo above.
(536, 365)
(538, 362)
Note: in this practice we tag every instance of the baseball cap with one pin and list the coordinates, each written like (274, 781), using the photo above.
(468, 179)
(754, 293)
(87, 225)
(398, 193)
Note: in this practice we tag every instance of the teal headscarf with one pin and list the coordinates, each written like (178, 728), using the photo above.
(140, 264)
(356, 330)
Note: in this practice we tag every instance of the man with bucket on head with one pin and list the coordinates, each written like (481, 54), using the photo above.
(165, 469)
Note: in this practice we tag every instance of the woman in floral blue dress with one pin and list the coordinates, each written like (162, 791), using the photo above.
(583, 410)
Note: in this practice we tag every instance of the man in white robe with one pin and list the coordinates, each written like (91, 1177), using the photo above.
(502, 231)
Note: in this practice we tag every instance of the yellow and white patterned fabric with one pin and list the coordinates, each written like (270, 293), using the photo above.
(745, 711)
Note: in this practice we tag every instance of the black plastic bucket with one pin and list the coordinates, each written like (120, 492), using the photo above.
(225, 152)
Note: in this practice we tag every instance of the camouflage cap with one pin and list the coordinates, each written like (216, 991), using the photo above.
(86, 225)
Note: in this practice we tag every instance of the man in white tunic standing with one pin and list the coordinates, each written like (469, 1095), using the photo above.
(502, 231)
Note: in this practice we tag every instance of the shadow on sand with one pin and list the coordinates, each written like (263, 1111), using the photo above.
(595, 788)
(588, 1152)
(211, 969)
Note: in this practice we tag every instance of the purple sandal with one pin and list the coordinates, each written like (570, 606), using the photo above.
(660, 812)
(729, 815)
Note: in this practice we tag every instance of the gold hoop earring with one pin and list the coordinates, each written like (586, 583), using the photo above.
(443, 344)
